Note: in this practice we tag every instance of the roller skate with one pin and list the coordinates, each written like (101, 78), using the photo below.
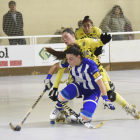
(62, 116)
(71, 119)
(55, 114)
(132, 110)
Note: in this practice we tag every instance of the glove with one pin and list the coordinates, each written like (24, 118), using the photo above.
(48, 84)
(53, 94)
(105, 38)
(107, 103)
(98, 51)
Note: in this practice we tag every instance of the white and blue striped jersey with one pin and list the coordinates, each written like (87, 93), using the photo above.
(86, 74)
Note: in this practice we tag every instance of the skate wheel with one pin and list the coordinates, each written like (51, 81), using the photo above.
(52, 122)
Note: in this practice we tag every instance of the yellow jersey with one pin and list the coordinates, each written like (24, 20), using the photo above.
(88, 47)
(95, 33)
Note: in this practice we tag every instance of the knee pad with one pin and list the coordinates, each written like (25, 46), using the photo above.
(112, 86)
(67, 93)
(111, 95)
(63, 96)
(85, 116)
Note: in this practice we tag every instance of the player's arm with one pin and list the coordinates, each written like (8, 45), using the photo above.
(102, 87)
(47, 81)
(98, 79)
(52, 70)
(58, 77)
(57, 81)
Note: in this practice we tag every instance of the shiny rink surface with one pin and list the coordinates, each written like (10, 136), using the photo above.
(19, 93)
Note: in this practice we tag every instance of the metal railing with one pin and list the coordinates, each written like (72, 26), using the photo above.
(33, 39)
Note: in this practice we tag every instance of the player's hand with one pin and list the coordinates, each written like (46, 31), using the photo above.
(98, 51)
(105, 38)
(107, 103)
(53, 94)
(48, 84)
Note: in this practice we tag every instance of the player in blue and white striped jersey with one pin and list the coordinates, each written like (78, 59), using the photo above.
(85, 75)
(87, 82)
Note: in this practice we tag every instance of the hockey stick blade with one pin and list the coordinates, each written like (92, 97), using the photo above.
(99, 125)
(17, 128)
(90, 126)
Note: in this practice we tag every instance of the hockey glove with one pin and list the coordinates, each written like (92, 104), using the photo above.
(107, 103)
(98, 51)
(105, 38)
(48, 83)
(53, 94)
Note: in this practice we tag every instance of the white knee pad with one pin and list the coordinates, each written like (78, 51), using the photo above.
(84, 118)
(61, 98)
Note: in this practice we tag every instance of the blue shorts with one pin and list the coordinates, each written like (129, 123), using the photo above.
(74, 90)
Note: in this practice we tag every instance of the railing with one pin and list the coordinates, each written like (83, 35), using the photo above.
(33, 39)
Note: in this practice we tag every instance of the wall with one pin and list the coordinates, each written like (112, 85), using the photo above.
(45, 17)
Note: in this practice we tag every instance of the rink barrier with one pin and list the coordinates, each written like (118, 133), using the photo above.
(32, 60)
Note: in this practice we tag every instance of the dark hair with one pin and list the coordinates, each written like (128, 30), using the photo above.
(86, 18)
(68, 30)
(113, 11)
(11, 2)
(75, 50)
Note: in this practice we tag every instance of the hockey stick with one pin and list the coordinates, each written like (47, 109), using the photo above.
(18, 127)
(88, 125)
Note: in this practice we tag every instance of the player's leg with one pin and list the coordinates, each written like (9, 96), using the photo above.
(69, 92)
(89, 106)
(130, 108)
(70, 79)
(109, 81)
(114, 96)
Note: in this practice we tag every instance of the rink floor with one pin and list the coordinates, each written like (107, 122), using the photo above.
(19, 93)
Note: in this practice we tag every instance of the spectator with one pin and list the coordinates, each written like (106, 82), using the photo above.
(13, 24)
(79, 25)
(115, 21)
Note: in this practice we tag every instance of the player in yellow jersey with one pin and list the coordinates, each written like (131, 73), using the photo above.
(87, 46)
(88, 30)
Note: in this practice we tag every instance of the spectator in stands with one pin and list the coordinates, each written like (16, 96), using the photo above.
(13, 24)
(115, 21)
(80, 22)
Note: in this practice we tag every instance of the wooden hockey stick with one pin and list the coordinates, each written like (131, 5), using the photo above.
(88, 125)
(18, 127)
